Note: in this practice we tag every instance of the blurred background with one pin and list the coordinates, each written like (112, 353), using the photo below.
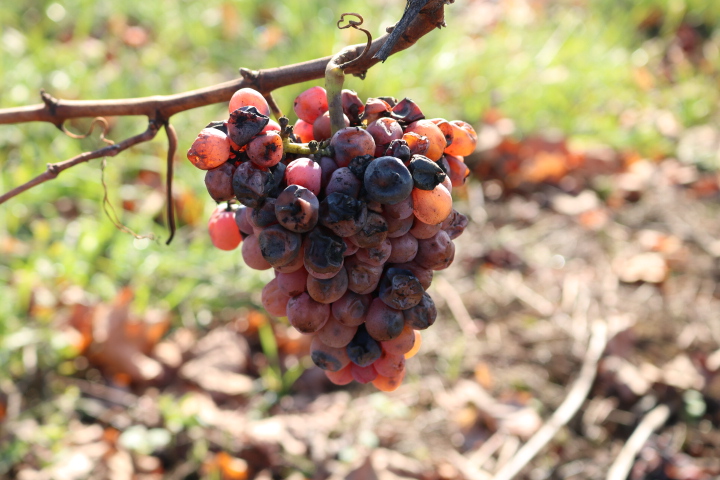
(593, 198)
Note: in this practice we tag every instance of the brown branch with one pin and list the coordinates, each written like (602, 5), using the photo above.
(54, 169)
(164, 106)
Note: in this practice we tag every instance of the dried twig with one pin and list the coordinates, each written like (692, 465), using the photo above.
(565, 411)
(655, 419)
(457, 307)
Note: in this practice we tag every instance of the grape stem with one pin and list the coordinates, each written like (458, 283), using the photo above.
(306, 149)
(335, 72)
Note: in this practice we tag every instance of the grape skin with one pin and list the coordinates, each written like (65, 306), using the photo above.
(310, 104)
(210, 149)
(306, 173)
(351, 308)
(249, 97)
(293, 283)
(223, 230)
(330, 359)
(336, 334)
(383, 322)
(297, 209)
(328, 290)
(404, 249)
(437, 252)
(351, 142)
(218, 182)
(265, 149)
(307, 315)
(434, 135)
(274, 300)
(252, 256)
(363, 278)
(432, 206)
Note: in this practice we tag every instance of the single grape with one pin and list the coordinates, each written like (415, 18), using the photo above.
(328, 290)
(363, 278)
(293, 283)
(351, 308)
(446, 129)
(359, 164)
(389, 364)
(252, 256)
(422, 231)
(274, 300)
(352, 106)
(343, 181)
(455, 224)
(265, 149)
(384, 130)
(436, 137)
(278, 245)
(272, 126)
(424, 275)
(297, 209)
(210, 149)
(263, 216)
(307, 315)
(363, 374)
(321, 126)
(373, 233)
(336, 334)
(303, 131)
(426, 174)
(399, 227)
(383, 322)
(343, 214)
(437, 252)
(218, 182)
(376, 108)
(459, 172)
(422, 315)
(407, 111)
(432, 206)
(400, 150)
(376, 256)
(399, 210)
(416, 347)
(418, 144)
(402, 343)
(464, 139)
(323, 253)
(342, 376)
(310, 104)
(400, 289)
(244, 123)
(223, 230)
(253, 184)
(350, 142)
(387, 180)
(248, 97)
(328, 358)
(363, 350)
(306, 173)
(404, 249)
(297, 264)
(242, 220)
(388, 384)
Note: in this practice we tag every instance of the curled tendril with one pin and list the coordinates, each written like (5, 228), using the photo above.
(100, 121)
(356, 25)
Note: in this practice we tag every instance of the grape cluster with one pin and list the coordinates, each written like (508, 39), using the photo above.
(353, 232)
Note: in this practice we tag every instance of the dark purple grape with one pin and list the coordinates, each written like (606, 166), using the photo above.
(359, 164)
(343, 214)
(407, 112)
(241, 219)
(400, 150)
(279, 246)
(297, 209)
(352, 106)
(422, 315)
(400, 289)
(426, 174)
(264, 216)
(323, 253)
(252, 184)
(244, 123)
(424, 275)
(363, 350)
(387, 180)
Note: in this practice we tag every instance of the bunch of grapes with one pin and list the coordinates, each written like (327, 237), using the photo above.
(353, 231)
